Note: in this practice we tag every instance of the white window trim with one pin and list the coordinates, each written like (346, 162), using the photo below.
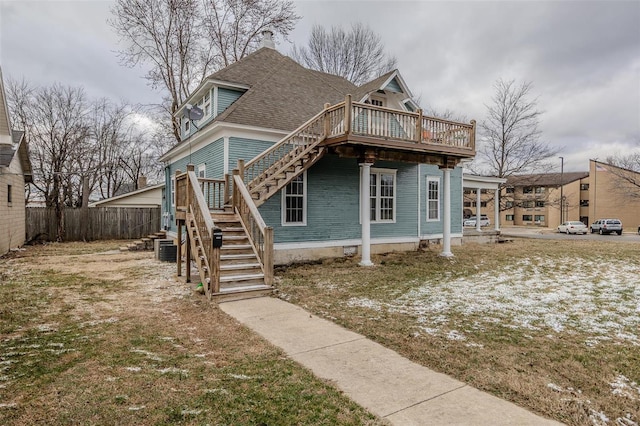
(202, 168)
(434, 179)
(283, 204)
(393, 172)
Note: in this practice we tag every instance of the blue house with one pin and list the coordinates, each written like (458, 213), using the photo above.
(293, 164)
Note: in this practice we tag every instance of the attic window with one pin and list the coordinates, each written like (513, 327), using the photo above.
(187, 125)
(377, 102)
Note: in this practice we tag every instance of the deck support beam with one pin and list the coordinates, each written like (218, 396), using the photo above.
(446, 220)
(365, 214)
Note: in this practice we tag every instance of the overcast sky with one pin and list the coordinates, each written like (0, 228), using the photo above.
(583, 57)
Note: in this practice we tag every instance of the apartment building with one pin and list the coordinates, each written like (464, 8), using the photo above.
(548, 199)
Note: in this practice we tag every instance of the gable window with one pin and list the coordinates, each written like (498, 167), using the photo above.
(382, 194)
(433, 199)
(187, 125)
(206, 104)
(9, 194)
(294, 202)
(377, 102)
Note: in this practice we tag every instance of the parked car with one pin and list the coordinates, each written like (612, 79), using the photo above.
(484, 221)
(573, 227)
(606, 226)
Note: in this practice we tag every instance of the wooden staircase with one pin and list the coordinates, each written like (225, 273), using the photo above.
(284, 171)
(240, 272)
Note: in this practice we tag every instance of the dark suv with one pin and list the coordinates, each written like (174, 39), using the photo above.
(606, 226)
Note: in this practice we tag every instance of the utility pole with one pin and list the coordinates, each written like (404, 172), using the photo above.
(561, 190)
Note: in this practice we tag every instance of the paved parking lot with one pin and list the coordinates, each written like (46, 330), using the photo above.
(552, 234)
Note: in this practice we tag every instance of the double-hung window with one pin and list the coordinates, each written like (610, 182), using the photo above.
(433, 199)
(294, 202)
(202, 170)
(382, 195)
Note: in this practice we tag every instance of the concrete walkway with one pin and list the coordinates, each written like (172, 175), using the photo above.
(388, 385)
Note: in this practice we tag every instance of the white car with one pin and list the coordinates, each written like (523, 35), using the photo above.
(484, 221)
(573, 227)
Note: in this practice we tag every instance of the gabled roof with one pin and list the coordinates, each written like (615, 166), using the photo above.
(546, 179)
(128, 195)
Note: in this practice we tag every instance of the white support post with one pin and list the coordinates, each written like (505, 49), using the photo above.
(496, 209)
(365, 219)
(446, 224)
(478, 208)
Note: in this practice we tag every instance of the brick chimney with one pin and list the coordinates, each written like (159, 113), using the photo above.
(142, 182)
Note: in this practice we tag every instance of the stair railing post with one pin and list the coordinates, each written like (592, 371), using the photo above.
(472, 137)
(327, 120)
(236, 194)
(347, 115)
(227, 188)
(268, 256)
(419, 126)
(241, 169)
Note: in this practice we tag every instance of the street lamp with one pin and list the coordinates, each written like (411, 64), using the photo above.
(561, 190)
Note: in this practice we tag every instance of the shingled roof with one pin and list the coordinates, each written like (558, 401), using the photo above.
(546, 179)
(282, 95)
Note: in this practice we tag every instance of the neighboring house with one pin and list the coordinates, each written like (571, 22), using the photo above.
(317, 151)
(144, 196)
(15, 172)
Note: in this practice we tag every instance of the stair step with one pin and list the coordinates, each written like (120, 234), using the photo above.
(238, 278)
(245, 288)
(236, 246)
(236, 256)
(236, 266)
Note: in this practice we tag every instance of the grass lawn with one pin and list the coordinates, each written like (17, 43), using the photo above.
(553, 326)
(88, 337)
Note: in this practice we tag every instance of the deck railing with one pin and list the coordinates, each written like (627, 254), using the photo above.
(214, 192)
(359, 119)
(261, 235)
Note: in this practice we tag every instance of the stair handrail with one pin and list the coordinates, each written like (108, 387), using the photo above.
(255, 168)
(202, 217)
(260, 235)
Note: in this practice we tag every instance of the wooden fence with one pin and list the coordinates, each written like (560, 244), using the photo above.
(102, 223)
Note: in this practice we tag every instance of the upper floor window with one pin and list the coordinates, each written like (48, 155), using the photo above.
(202, 170)
(9, 194)
(294, 201)
(527, 190)
(509, 189)
(509, 218)
(584, 187)
(540, 203)
(540, 189)
(187, 125)
(528, 204)
(433, 198)
(584, 203)
(508, 204)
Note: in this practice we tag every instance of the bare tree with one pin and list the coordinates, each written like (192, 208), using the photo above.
(185, 40)
(357, 55)
(510, 137)
(235, 26)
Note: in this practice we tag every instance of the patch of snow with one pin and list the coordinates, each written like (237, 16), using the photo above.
(133, 369)
(626, 421)
(624, 387)
(554, 387)
(173, 370)
(456, 335)
(598, 418)
(534, 294)
(137, 407)
(191, 412)
(474, 345)
(240, 377)
(148, 354)
(8, 405)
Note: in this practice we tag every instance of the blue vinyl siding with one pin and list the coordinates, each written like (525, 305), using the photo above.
(212, 156)
(226, 97)
(246, 149)
(333, 203)
(394, 86)
(435, 227)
